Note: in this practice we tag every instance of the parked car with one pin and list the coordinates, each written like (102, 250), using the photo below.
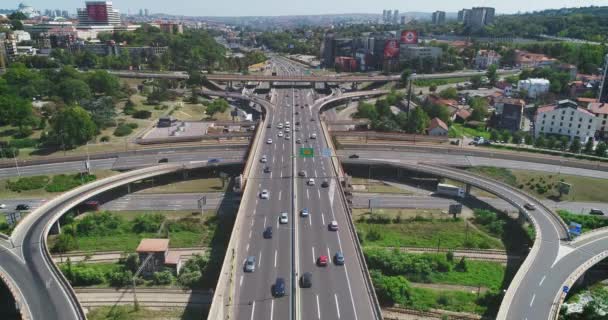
(596, 212)
(163, 160)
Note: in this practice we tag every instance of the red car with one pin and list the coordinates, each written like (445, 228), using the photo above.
(322, 261)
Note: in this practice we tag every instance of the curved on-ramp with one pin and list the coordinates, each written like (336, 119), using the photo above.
(26, 261)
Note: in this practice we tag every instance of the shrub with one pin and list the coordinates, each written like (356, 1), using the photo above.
(373, 235)
(23, 143)
(105, 139)
(449, 256)
(120, 278)
(142, 114)
(147, 223)
(9, 152)
(62, 182)
(462, 265)
(27, 183)
(65, 242)
(132, 125)
(123, 130)
(162, 278)
(82, 276)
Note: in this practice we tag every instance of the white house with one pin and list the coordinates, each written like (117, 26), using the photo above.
(534, 87)
(566, 118)
(486, 58)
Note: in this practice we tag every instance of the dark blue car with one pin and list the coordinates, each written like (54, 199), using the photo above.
(278, 290)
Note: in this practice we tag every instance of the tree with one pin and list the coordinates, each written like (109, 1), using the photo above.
(600, 149)
(494, 135)
(72, 127)
(218, 105)
(479, 108)
(551, 142)
(528, 139)
(505, 136)
(405, 76)
(462, 265)
(102, 111)
(575, 146)
(102, 82)
(476, 81)
(517, 137)
(588, 146)
(416, 122)
(449, 93)
(433, 88)
(74, 90)
(367, 111)
(492, 75)
(540, 142)
(437, 111)
(162, 277)
(563, 142)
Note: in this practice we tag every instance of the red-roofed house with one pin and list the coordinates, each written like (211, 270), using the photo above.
(524, 59)
(462, 115)
(600, 110)
(437, 128)
(158, 248)
(566, 118)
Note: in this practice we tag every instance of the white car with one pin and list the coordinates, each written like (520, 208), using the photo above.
(280, 133)
(264, 159)
(283, 218)
(313, 136)
(287, 123)
(280, 126)
(333, 226)
(264, 194)
(2, 206)
(287, 129)
(311, 182)
(269, 141)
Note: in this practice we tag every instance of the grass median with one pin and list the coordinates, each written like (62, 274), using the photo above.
(128, 312)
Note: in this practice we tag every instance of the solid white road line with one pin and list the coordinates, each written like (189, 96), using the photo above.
(277, 224)
(309, 219)
(252, 310)
(323, 218)
(241, 281)
(280, 192)
(313, 255)
(319, 193)
(337, 305)
(318, 308)
(264, 221)
(271, 309)
(329, 255)
(307, 194)
(260, 259)
(532, 301)
(541, 281)
(275, 258)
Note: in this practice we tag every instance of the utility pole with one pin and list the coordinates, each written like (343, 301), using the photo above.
(16, 162)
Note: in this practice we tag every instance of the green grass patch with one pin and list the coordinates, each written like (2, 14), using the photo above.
(479, 273)
(63, 182)
(128, 312)
(587, 222)
(458, 130)
(439, 82)
(546, 185)
(189, 186)
(423, 232)
(27, 183)
(425, 299)
(36, 186)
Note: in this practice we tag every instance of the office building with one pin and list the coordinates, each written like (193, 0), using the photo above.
(389, 16)
(98, 13)
(409, 52)
(463, 15)
(327, 50)
(146, 12)
(534, 87)
(171, 28)
(604, 86)
(566, 118)
(396, 17)
(439, 17)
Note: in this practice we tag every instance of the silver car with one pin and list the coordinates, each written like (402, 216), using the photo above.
(250, 264)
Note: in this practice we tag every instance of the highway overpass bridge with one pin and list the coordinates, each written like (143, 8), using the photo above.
(28, 266)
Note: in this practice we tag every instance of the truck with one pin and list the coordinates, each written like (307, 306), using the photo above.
(449, 190)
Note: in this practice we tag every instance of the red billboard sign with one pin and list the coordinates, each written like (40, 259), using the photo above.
(409, 36)
(391, 49)
(97, 12)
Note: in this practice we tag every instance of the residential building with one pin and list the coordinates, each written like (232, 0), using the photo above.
(35, 30)
(534, 87)
(171, 28)
(508, 114)
(524, 59)
(21, 35)
(566, 118)
(437, 128)
(396, 17)
(479, 17)
(409, 52)
(463, 15)
(486, 58)
(439, 17)
(98, 13)
(462, 115)
(603, 97)
(600, 110)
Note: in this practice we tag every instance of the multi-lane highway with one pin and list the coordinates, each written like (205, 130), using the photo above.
(337, 291)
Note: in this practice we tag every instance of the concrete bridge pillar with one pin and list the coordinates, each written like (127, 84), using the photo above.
(467, 190)
(55, 228)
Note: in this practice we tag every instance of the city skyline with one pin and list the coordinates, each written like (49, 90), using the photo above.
(313, 7)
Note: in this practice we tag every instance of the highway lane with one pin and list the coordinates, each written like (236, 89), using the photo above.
(123, 162)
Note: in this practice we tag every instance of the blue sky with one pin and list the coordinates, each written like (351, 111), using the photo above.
(291, 7)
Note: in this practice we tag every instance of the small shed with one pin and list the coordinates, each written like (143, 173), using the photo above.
(158, 248)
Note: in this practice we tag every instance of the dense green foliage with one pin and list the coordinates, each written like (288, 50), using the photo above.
(383, 119)
(217, 106)
(27, 183)
(588, 222)
(288, 41)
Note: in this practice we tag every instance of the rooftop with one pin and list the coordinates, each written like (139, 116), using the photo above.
(173, 258)
(598, 108)
(153, 245)
(436, 122)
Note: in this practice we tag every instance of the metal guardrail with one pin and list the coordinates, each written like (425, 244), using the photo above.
(390, 136)
(197, 138)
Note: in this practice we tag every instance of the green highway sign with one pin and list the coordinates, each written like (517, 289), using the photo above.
(307, 152)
